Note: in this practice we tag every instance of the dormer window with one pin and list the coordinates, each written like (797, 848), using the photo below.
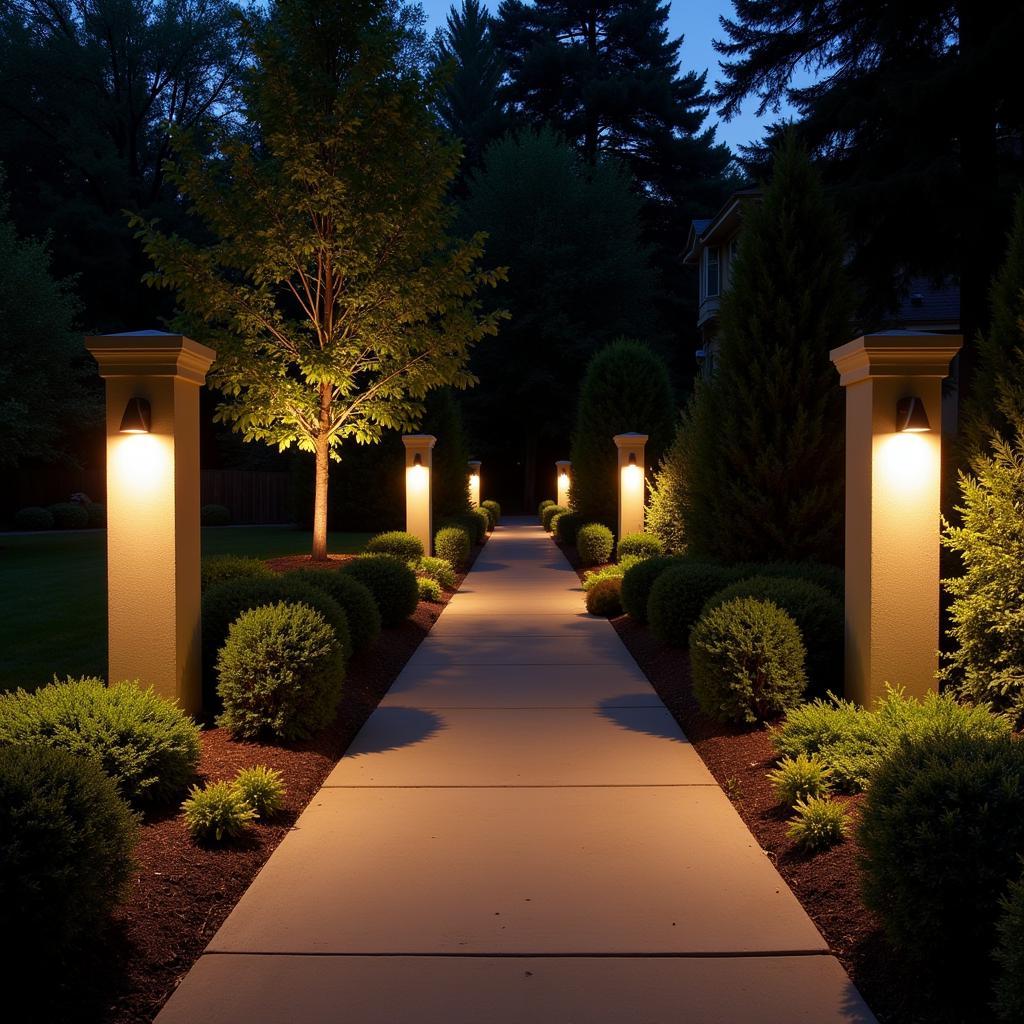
(711, 272)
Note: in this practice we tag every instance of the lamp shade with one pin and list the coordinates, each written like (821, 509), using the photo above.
(911, 416)
(136, 418)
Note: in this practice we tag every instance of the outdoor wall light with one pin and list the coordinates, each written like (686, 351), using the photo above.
(911, 417)
(137, 417)
(417, 460)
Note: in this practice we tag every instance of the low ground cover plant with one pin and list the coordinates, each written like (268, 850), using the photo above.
(678, 596)
(66, 844)
(215, 515)
(437, 568)
(452, 543)
(145, 744)
(220, 568)
(800, 778)
(747, 661)
(594, 544)
(548, 512)
(217, 813)
(353, 597)
(818, 824)
(429, 590)
(638, 580)
(262, 788)
(280, 673)
(605, 598)
(853, 741)
(398, 543)
(639, 545)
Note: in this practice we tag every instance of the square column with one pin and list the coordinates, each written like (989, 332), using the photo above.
(563, 481)
(419, 455)
(474, 483)
(631, 482)
(893, 478)
(153, 538)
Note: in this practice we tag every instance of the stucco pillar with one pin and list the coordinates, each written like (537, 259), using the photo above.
(474, 483)
(563, 481)
(893, 482)
(419, 454)
(631, 482)
(153, 538)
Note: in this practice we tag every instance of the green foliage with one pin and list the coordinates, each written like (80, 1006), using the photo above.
(987, 611)
(800, 778)
(66, 842)
(33, 518)
(452, 543)
(816, 612)
(764, 436)
(354, 599)
(548, 512)
(280, 673)
(853, 741)
(546, 503)
(215, 515)
(637, 582)
(391, 582)
(818, 824)
(69, 516)
(449, 493)
(223, 603)
(638, 546)
(604, 598)
(678, 596)
(475, 524)
(398, 543)
(218, 813)
(437, 568)
(941, 833)
(665, 514)
(565, 527)
(828, 577)
(353, 300)
(1009, 955)
(262, 788)
(220, 568)
(483, 518)
(594, 543)
(429, 590)
(615, 571)
(495, 510)
(97, 515)
(747, 661)
(146, 744)
(625, 388)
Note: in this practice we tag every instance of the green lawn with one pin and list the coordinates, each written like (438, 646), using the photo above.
(53, 604)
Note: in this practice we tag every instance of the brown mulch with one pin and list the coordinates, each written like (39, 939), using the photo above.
(181, 892)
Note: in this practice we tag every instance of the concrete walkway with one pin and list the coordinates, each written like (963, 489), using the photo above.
(520, 834)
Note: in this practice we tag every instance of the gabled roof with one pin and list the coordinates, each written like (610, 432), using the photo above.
(724, 224)
(927, 303)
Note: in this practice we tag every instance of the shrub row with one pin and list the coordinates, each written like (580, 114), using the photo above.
(65, 515)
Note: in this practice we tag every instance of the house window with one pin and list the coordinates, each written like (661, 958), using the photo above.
(710, 272)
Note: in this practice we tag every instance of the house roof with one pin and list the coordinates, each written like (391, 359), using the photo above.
(926, 303)
(723, 225)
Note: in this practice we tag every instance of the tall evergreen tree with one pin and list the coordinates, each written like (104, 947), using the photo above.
(332, 290)
(665, 514)
(765, 433)
(468, 103)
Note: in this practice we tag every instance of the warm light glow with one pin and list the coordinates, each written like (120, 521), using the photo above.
(632, 476)
(907, 462)
(563, 479)
(140, 463)
(416, 479)
(474, 489)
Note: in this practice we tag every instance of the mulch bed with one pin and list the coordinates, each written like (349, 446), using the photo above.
(182, 892)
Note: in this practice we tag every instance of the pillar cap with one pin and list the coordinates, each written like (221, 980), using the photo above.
(562, 462)
(895, 354)
(419, 440)
(150, 354)
(629, 440)
(474, 462)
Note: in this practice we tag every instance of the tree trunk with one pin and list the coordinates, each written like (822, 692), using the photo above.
(323, 462)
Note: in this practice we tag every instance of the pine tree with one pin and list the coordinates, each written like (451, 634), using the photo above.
(332, 290)
(626, 389)
(766, 456)
(665, 514)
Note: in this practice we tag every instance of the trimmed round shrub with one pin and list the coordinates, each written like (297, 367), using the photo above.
(220, 568)
(485, 525)
(548, 513)
(494, 509)
(429, 590)
(280, 673)
(604, 598)
(452, 543)
(941, 833)
(594, 543)
(67, 515)
(66, 842)
(815, 611)
(747, 661)
(546, 503)
(492, 522)
(214, 515)
(218, 813)
(1009, 956)
(223, 603)
(678, 596)
(33, 518)
(97, 515)
(638, 580)
(566, 526)
(398, 543)
(391, 582)
(823, 575)
(439, 569)
(354, 599)
(639, 545)
(146, 744)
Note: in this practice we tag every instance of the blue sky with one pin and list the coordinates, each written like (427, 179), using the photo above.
(697, 21)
